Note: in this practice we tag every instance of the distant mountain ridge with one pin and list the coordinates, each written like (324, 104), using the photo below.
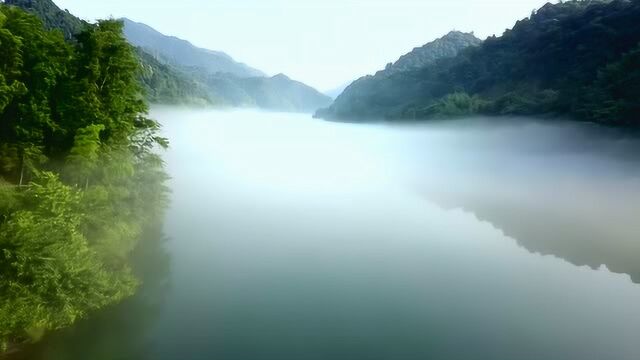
(573, 59)
(335, 92)
(228, 83)
(160, 82)
(369, 95)
(447, 46)
(173, 71)
(175, 51)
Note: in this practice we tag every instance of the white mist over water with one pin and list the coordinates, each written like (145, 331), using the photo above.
(293, 238)
(323, 43)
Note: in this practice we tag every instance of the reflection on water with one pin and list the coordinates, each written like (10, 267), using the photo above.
(568, 191)
(292, 238)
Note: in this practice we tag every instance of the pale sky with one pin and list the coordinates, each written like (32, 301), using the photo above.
(324, 43)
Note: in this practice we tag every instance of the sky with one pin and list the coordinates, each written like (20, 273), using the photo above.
(324, 43)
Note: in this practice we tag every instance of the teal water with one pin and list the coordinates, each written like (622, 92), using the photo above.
(294, 238)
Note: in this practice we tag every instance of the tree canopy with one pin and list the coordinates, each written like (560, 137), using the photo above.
(80, 178)
(575, 59)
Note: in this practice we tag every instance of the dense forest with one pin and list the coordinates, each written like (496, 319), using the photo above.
(175, 72)
(80, 178)
(579, 59)
(222, 80)
(176, 51)
(373, 95)
(162, 83)
(52, 16)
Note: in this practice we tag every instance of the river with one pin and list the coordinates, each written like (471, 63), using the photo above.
(294, 238)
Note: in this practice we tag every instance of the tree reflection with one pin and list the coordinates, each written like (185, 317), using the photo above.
(555, 225)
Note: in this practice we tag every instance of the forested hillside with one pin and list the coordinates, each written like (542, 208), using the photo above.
(225, 81)
(164, 84)
(446, 47)
(579, 59)
(52, 16)
(79, 177)
(277, 93)
(161, 83)
(370, 96)
(182, 53)
(173, 71)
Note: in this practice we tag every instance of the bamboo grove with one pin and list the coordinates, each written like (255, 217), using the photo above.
(80, 175)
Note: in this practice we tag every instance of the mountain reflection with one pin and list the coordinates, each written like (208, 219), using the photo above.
(573, 195)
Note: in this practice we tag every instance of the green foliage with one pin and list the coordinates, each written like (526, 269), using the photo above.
(52, 16)
(83, 156)
(523, 103)
(161, 83)
(575, 59)
(451, 106)
(393, 92)
(9, 201)
(180, 73)
(50, 275)
(164, 84)
(615, 92)
(74, 133)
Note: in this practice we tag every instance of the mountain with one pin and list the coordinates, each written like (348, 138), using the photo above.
(161, 83)
(446, 47)
(277, 93)
(180, 52)
(52, 16)
(173, 71)
(227, 82)
(370, 96)
(335, 92)
(575, 59)
(281, 93)
(165, 85)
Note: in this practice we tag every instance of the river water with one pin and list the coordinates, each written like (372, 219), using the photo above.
(290, 238)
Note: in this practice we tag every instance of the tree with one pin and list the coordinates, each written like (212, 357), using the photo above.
(84, 155)
(50, 275)
(70, 112)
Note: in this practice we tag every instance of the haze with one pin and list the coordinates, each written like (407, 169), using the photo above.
(290, 236)
(322, 43)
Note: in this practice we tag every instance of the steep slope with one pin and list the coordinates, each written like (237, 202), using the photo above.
(161, 83)
(52, 16)
(577, 59)
(446, 47)
(372, 96)
(281, 93)
(165, 85)
(229, 83)
(180, 52)
(172, 71)
(335, 92)
(278, 93)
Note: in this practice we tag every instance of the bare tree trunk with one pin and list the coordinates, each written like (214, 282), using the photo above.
(21, 171)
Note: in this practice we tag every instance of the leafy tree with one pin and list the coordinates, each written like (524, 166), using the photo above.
(452, 105)
(615, 92)
(84, 155)
(50, 276)
(36, 63)
(70, 113)
(574, 59)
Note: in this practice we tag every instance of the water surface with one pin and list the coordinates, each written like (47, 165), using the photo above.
(294, 238)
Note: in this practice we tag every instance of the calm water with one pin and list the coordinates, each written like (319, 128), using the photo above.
(291, 238)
